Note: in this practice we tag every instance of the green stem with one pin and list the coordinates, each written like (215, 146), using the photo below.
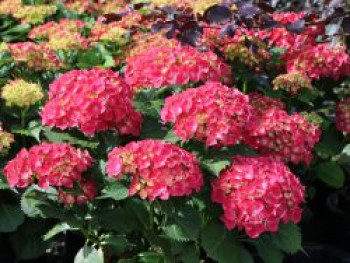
(23, 116)
(245, 87)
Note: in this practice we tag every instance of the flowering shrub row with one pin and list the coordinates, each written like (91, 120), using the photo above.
(168, 131)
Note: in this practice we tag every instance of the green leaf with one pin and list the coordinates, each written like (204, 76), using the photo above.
(30, 204)
(117, 191)
(185, 223)
(189, 255)
(151, 257)
(269, 252)
(59, 137)
(330, 143)
(221, 246)
(60, 227)
(288, 238)
(116, 243)
(331, 174)
(89, 254)
(118, 219)
(11, 217)
(27, 242)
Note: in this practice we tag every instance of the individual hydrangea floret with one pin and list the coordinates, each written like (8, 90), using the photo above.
(157, 169)
(92, 101)
(174, 64)
(293, 82)
(212, 113)
(257, 194)
(343, 115)
(21, 93)
(48, 164)
(288, 138)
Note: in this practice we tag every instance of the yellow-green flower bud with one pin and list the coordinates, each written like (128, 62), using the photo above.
(3, 47)
(21, 93)
(34, 14)
(6, 139)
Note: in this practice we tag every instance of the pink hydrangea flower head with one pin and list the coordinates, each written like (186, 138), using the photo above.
(212, 113)
(257, 194)
(174, 64)
(36, 56)
(93, 101)
(65, 25)
(319, 61)
(288, 17)
(48, 163)
(343, 115)
(158, 169)
(262, 103)
(288, 138)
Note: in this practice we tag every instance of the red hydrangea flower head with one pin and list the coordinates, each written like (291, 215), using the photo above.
(288, 17)
(174, 65)
(91, 100)
(257, 194)
(45, 30)
(86, 193)
(262, 103)
(212, 113)
(343, 116)
(157, 169)
(288, 138)
(319, 61)
(50, 164)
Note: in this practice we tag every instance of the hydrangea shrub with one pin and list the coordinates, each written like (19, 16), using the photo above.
(169, 131)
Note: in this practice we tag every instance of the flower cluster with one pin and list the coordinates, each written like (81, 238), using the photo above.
(65, 40)
(91, 100)
(85, 193)
(8, 7)
(257, 194)
(36, 56)
(174, 65)
(6, 139)
(289, 138)
(34, 14)
(343, 115)
(237, 51)
(212, 113)
(292, 82)
(64, 25)
(262, 103)
(21, 93)
(288, 17)
(111, 32)
(157, 169)
(320, 61)
(48, 164)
